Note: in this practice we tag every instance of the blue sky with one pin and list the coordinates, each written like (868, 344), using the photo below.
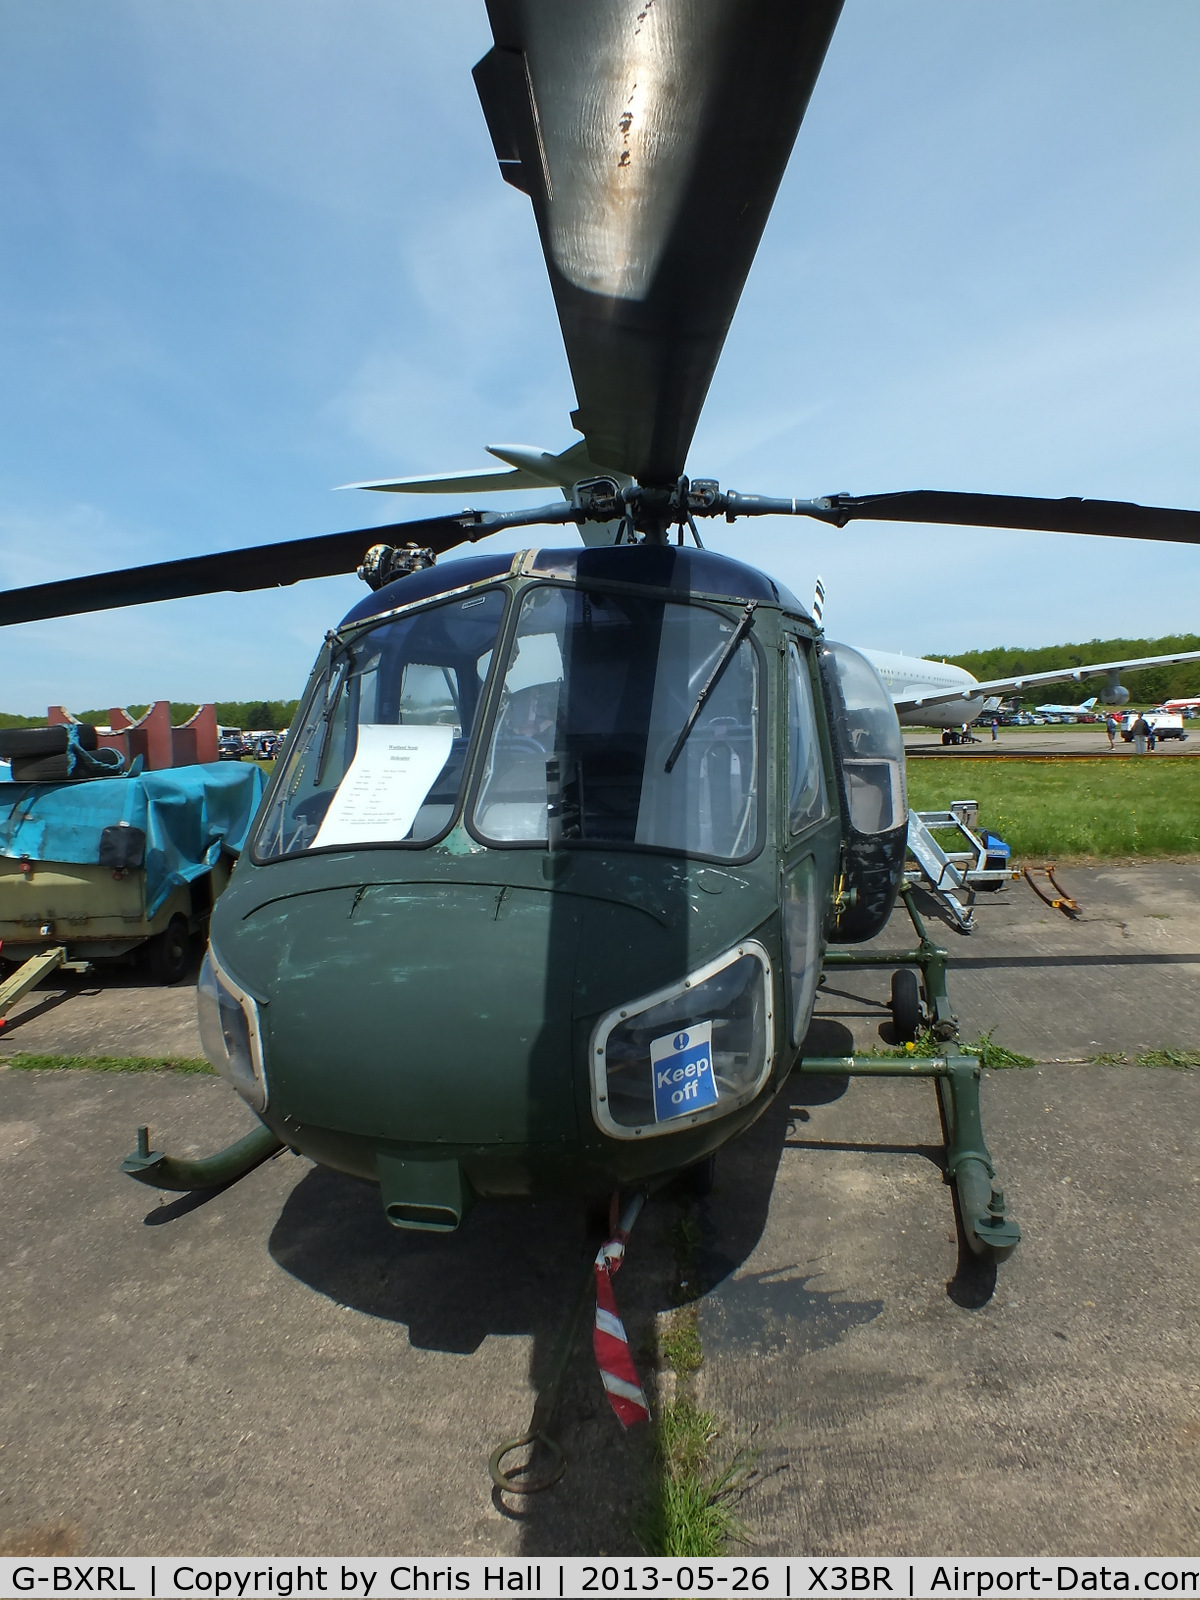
(252, 249)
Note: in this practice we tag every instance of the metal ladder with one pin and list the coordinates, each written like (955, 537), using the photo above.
(953, 876)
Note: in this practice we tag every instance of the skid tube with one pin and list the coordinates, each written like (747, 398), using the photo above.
(989, 1231)
(161, 1171)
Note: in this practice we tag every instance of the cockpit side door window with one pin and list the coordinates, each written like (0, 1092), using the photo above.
(807, 801)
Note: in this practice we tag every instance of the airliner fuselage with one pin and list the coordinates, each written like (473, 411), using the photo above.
(911, 677)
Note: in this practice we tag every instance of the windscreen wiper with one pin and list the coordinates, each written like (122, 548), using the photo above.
(714, 678)
(338, 673)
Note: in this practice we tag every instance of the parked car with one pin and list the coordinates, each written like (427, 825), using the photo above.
(229, 747)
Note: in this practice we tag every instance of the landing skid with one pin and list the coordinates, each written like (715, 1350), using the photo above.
(990, 1233)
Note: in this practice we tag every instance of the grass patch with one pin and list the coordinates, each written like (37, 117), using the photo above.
(1107, 807)
(994, 1056)
(689, 1509)
(990, 1055)
(35, 1063)
(1176, 1060)
(1179, 1060)
(680, 1345)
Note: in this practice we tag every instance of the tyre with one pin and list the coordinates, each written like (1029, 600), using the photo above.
(906, 1005)
(41, 769)
(44, 741)
(170, 951)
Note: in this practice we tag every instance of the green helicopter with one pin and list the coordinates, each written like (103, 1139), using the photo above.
(540, 897)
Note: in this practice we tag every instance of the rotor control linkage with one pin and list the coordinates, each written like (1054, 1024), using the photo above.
(639, 508)
(652, 510)
(385, 562)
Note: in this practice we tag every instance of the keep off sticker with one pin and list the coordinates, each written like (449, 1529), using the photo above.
(683, 1076)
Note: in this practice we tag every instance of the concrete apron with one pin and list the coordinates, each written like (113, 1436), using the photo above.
(1122, 977)
(274, 1369)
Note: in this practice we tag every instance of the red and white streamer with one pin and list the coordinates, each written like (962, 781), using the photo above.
(617, 1371)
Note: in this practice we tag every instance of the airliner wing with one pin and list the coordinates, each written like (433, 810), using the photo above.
(1031, 680)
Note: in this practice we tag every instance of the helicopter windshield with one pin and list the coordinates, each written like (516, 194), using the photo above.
(597, 688)
(380, 754)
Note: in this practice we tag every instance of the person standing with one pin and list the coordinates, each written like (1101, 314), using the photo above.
(1141, 731)
(1110, 728)
(995, 730)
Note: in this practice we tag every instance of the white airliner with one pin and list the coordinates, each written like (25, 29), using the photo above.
(935, 694)
(926, 694)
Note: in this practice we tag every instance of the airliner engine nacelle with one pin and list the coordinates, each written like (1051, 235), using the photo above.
(1114, 693)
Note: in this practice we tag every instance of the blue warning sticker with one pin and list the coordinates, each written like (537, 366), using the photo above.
(681, 1064)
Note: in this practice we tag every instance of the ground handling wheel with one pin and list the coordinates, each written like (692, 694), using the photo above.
(906, 1005)
(170, 952)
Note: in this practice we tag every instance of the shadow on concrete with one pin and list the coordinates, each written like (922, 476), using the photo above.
(128, 972)
(45, 1004)
(974, 1281)
(932, 909)
(508, 1270)
(931, 1152)
(513, 1269)
(181, 1206)
(1107, 959)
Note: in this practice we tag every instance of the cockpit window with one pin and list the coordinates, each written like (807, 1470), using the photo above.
(380, 753)
(597, 691)
(806, 781)
(869, 740)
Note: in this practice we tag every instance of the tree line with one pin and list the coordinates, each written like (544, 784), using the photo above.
(1147, 687)
(1003, 661)
(256, 714)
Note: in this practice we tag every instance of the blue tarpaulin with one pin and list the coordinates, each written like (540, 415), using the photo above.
(188, 814)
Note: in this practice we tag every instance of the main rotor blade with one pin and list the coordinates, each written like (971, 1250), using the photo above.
(263, 566)
(651, 138)
(1117, 519)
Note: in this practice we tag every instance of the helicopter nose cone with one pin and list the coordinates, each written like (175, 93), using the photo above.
(417, 1014)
